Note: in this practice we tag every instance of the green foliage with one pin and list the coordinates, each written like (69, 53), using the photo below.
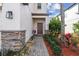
(45, 36)
(54, 28)
(55, 25)
(76, 27)
(75, 38)
(57, 50)
(54, 45)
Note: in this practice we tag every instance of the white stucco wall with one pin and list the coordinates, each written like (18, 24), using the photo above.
(0, 16)
(26, 21)
(34, 9)
(22, 17)
(47, 23)
(43, 10)
(10, 24)
(0, 26)
(71, 17)
(0, 41)
(0, 13)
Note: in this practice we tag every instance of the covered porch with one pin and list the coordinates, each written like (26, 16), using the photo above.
(40, 23)
(39, 26)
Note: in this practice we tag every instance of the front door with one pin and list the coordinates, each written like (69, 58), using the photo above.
(39, 28)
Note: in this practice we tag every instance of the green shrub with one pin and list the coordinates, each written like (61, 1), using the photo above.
(53, 39)
(55, 47)
(45, 36)
(53, 43)
(55, 26)
(57, 50)
(49, 39)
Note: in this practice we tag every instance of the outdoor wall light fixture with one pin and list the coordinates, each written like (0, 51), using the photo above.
(9, 14)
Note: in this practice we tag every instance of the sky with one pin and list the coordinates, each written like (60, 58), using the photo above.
(54, 8)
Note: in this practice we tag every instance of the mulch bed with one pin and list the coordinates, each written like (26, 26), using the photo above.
(50, 51)
(69, 51)
(65, 51)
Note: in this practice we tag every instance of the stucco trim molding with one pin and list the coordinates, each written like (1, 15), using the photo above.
(39, 14)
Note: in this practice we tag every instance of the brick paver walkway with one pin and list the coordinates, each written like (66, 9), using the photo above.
(39, 48)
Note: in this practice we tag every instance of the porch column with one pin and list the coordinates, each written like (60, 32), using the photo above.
(46, 24)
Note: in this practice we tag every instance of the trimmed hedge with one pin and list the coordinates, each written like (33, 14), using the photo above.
(53, 42)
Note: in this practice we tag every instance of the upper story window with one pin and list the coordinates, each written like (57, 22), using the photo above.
(9, 14)
(39, 5)
(25, 3)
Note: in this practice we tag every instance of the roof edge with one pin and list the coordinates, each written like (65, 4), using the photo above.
(68, 8)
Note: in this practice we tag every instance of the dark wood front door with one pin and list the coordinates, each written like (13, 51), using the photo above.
(39, 28)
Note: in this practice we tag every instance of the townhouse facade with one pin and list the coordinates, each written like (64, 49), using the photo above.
(17, 22)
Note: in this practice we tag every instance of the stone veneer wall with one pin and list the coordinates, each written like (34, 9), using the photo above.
(12, 40)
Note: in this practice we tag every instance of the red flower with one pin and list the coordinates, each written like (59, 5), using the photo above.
(68, 36)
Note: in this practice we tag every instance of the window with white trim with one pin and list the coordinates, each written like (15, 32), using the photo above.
(39, 6)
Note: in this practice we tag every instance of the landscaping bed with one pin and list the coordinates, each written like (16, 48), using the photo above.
(54, 47)
(58, 46)
(71, 51)
(49, 48)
